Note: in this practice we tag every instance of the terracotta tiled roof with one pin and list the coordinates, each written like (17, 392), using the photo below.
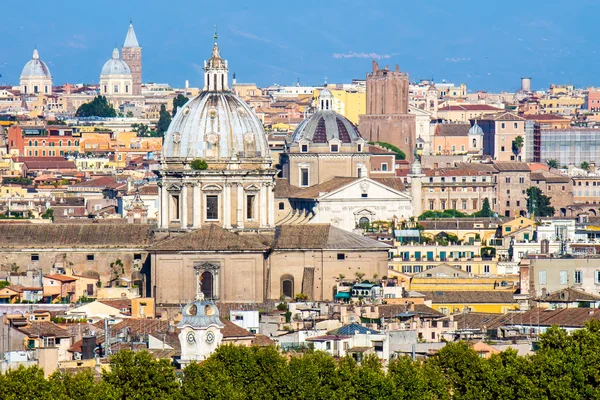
(469, 296)
(262, 341)
(570, 295)
(231, 330)
(139, 325)
(393, 183)
(452, 129)
(314, 192)
(69, 235)
(572, 317)
(546, 117)
(460, 224)
(392, 310)
(61, 278)
(212, 238)
(283, 189)
(469, 107)
(119, 304)
(322, 236)
(77, 346)
(475, 320)
(508, 166)
(44, 329)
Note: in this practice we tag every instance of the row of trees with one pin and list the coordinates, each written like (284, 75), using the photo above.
(564, 367)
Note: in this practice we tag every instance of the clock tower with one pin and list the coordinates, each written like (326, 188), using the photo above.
(200, 330)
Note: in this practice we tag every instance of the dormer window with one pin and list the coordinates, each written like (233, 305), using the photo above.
(334, 148)
(304, 148)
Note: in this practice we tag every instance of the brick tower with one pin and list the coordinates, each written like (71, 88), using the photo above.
(131, 53)
(387, 118)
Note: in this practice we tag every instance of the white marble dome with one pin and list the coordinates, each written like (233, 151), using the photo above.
(115, 66)
(36, 67)
(215, 125)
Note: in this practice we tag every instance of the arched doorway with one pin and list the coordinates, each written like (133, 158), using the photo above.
(287, 286)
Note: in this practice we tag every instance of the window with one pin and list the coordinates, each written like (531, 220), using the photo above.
(417, 269)
(250, 206)
(502, 148)
(578, 277)
(503, 125)
(126, 88)
(384, 167)
(364, 195)
(137, 256)
(597, 277)
(468, 268)
(521, 179)
(516, 125)
(212, 207)
(115, 89)
(564, 278)
(89, 257)
(341, 256)
(49, 342)
(464, 204)
(508, 179)
(359, 148)
(542, 277)
(304, 148)
(431, 204)
(486, 269)
(334, 148)
(282, 205)
(518, 203)
(35, 257)
(303, 176)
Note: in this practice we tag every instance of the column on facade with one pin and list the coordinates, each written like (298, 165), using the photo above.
(164, 207)
(227, 206)
(270, 205)
(184, 206)
(263, 205)
(196, 206)
(240, 205)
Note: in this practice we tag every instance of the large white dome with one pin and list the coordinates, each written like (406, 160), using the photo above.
(36, 67)
(115, 66)
(216, 125)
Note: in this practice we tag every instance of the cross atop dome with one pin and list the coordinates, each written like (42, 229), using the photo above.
(216, 72)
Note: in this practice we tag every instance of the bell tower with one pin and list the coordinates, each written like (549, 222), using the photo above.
(132, 55)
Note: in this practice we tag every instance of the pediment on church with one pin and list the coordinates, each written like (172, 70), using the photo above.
(174, 188)
(252, 188)
(212, 188)
(366, 189)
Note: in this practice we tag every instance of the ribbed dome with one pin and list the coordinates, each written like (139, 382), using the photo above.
(216, 126)
(323, 126)
(116, 66)
(36, 67)
(475, 129)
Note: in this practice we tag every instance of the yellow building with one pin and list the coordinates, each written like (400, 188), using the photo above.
(566, 105)
(452, 302)
(12, 190)
(447, 277)
(348, 104)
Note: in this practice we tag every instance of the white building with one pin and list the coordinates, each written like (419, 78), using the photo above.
(36, 77)
(116, 78)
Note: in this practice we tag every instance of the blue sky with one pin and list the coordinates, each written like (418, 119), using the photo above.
(488, 45)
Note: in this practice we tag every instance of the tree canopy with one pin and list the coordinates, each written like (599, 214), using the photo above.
(179, 101)
(164, 120)
(486, 210)
(553, 163)
(399, 153)
(538, 204)
(564, 367)
(99, 107)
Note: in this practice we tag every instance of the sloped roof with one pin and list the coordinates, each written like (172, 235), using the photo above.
(61, 278)
(569, 295)
(231, 330)
(332, 184)
(452, 129)
(573, 317)
(393, 310)
(469, 296)
(44, 329)
(507, 166)
(394, 183)
(469, 107)
(352, 329)
(212, 238)
(322, 236)
(480, 320)
(69, 235)
(283, 189)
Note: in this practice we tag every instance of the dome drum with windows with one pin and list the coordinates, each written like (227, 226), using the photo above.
(216, 126)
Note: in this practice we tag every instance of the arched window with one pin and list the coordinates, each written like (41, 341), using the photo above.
(30, 143)
(364, 222)
(35, 143)
(60, 143)
(77, 143)
(474, 142)
(68, 143)
(215, 81)
(207, 284)
(287, 286)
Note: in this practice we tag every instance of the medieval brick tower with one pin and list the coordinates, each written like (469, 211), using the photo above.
(131, 53)
(387, 118)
